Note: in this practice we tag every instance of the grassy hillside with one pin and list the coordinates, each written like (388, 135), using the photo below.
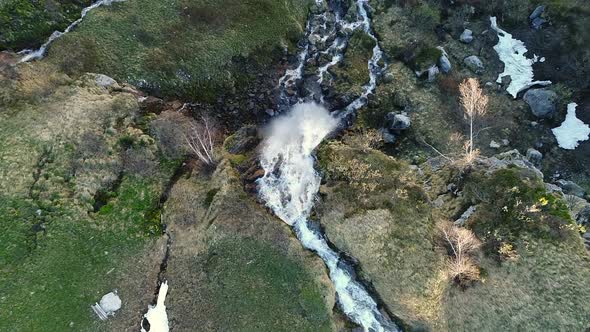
(189, 48)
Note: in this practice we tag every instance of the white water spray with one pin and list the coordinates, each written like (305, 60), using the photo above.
(289, 187)
(39, 53)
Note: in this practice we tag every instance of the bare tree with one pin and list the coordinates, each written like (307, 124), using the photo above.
(461, 245)
(475, 104)
(201, 140)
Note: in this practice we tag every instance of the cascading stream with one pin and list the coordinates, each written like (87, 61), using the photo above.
(30, 55)
(291, 183)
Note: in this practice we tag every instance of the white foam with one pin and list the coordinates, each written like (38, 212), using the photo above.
(572, 130)
(289, 187)
(520, 68)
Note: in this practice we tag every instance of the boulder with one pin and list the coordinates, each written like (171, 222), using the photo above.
(538, 22)
(571, 188)
(466, 37)
(388, 137)
(543, 102)
(444, 64)
(537, 12)
(494, 145)
(110, 302)
(432, 72)
(105, 81)
(534, 156)
(474, 63)
(398, 122)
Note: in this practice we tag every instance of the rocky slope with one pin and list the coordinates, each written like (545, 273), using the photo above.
(98, 190)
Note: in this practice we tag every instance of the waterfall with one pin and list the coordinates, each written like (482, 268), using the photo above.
(290, 183)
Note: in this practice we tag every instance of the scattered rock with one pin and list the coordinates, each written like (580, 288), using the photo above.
(398, 122)
(537, 12)
(534, 156)
(494, 145)
(445, 64)
(244, 140)
(474, 63)
(105, 81)
(388, 77)
(432, 72)
(466, 37)
(388, 137)
(543, 102)
(571, 188)
(465, 216)
(538, 22)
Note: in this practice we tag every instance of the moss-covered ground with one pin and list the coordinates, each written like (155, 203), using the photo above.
(534, 267)
(26, 24)
(193, 49)
(57, 255)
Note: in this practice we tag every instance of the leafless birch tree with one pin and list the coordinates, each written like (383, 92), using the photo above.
(201, 140)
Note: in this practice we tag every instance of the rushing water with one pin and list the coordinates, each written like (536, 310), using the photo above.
(290, 184)
(30, 55)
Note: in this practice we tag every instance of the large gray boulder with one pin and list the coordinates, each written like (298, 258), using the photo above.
(445, 64)
(466, 37)
(543, 102)
(474, 63)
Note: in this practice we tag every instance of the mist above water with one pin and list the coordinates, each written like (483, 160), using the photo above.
(289, 187)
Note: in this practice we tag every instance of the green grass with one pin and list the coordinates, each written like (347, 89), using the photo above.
(259, 289)
(179, 47)
(54, 251)
(27, 24)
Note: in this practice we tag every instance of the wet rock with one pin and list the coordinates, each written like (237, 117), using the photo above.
(244, 140)
(466, 37)
(538, 23)
(445, 64)
(543, 102)
(537, 12)
(474, 63)
(534, 156)
(571, 188)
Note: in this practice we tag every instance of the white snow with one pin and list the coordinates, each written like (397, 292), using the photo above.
(572, 130)
(156, 315)
(520, 68)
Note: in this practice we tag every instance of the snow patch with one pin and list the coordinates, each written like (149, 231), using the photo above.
(516, 65)
(156, 315)
(572, 130)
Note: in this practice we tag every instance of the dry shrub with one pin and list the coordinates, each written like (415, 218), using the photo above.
(201, 138)
(169, 130)
(448, 84)
(462, 247)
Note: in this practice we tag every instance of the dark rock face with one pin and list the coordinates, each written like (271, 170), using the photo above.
(543, 102)
(245, 139)
(571, 188)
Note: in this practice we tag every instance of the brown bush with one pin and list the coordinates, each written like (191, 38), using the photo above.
(462, 247)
